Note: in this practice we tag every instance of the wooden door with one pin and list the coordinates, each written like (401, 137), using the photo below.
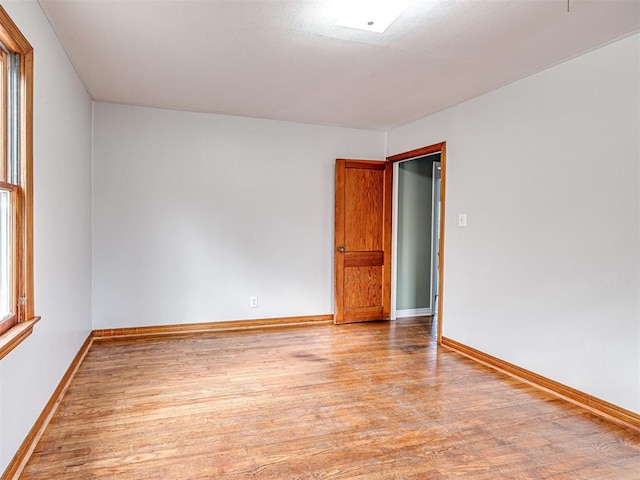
(363, 240)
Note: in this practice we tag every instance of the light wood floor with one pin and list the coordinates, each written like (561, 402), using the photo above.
(370, 401)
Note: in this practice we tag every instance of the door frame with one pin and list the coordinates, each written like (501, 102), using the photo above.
(435, 233)
(410, 155)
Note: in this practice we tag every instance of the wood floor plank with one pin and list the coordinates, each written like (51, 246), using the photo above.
(358, 401)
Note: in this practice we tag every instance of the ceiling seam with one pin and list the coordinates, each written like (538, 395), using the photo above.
(55, 32)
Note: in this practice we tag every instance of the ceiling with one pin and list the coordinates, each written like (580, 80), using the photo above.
(286, 60)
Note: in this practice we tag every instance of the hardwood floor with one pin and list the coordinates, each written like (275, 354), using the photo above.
(370, 401)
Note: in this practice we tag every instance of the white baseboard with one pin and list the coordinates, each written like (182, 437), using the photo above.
(413, 312)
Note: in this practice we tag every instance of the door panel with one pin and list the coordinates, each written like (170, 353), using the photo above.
(363, 240)
(363, 287)
(364, 189)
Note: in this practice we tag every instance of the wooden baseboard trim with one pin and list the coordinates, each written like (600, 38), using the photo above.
(17, 464)
(595, 405)
(190, 328)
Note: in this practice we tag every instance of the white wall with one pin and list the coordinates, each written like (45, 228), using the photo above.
(194, 213)
(546, 275)
(62, 233)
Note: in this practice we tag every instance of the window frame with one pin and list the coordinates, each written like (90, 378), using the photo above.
(16, 43)
(11, 320)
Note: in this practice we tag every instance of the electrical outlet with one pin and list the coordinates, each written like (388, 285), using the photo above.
(253, 301)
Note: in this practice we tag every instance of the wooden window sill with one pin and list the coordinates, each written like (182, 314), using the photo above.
(14, 337)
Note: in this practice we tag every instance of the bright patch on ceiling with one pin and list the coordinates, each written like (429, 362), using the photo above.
(370, 15)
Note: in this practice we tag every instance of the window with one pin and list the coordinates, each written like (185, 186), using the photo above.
(16, 204)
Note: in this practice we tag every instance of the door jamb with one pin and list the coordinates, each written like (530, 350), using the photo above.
(421, 152)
